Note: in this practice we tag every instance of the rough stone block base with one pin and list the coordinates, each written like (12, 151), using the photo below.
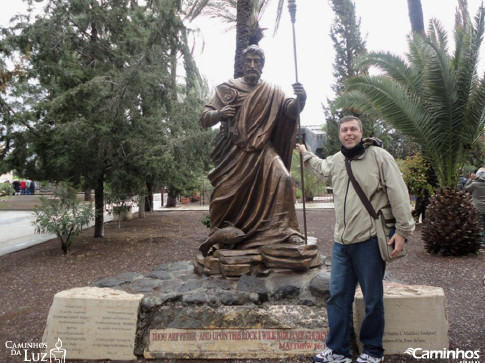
(415, 318)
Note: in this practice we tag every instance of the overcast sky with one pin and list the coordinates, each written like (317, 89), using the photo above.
(384, 25)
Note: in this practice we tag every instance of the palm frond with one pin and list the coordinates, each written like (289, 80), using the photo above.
(260, 7)
(394, 66)
(474, 114)
(279, 11)
(196, 9)
(437, 34)
(415, 58)
(379, 94)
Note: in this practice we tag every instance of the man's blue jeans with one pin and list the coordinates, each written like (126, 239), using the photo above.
(351, 264)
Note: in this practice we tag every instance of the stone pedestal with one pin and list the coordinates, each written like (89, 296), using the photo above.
(184, 315)
(239, 332)
(93, 323)
(415, 318)
(278, 316)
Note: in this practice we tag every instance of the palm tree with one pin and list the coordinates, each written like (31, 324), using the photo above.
(437, 100)
(243, 21)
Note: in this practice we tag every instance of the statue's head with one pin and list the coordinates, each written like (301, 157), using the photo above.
(253, 62)
(254, 49)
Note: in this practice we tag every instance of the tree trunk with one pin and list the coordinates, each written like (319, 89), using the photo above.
(149, 198)
(141, 210)
(99, 208)
(416, 16)
(171, 198)
(141, 206)
(173, 73)
(243, 20)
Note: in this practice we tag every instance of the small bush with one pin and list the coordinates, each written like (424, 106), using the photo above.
(65, 216)
(206, 221)
(6, 189)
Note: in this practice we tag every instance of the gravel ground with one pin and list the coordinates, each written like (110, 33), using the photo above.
(30, 278)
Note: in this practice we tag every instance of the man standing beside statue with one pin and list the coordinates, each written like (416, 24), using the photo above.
(253, 190)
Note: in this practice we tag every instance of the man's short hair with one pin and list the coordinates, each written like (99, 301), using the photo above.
(253, 49)
(349, 118)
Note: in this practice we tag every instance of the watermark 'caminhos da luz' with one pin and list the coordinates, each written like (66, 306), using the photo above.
(27, 351)
(58, 354)
(469, 356)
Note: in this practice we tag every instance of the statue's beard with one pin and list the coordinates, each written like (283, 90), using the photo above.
(252, 77)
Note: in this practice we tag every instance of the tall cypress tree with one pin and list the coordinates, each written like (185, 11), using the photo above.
(348, 44)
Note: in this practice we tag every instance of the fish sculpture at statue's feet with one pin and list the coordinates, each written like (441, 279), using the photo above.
(225, 237)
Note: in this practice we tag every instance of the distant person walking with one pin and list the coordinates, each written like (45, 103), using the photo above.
(32, 187)
(22, 187)
(16, 187)
(476, 186)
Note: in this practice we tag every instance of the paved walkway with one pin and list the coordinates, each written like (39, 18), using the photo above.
(17, 231)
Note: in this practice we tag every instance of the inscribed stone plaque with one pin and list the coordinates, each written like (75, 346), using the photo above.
(234, 343)
(415, 317)
(94, 323)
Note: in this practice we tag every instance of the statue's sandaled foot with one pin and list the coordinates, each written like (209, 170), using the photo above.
(295, 239)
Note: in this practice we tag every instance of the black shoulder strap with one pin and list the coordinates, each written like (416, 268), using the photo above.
(359, 190)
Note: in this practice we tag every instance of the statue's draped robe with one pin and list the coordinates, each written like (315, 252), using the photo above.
(252, 186)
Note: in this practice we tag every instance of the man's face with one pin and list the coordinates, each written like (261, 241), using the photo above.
(350, 134)
(253, 67)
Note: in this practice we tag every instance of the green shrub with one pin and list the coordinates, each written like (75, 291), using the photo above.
(314, 186)
(415, 171)
(206, 221)
(64, 215)
(6, 189)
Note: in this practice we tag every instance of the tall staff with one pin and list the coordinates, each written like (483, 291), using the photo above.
(292, 9)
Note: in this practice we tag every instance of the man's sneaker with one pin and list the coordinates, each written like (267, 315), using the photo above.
(366, 358)
(329, 356)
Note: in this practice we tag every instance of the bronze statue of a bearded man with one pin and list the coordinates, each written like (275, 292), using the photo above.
(253, 190)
